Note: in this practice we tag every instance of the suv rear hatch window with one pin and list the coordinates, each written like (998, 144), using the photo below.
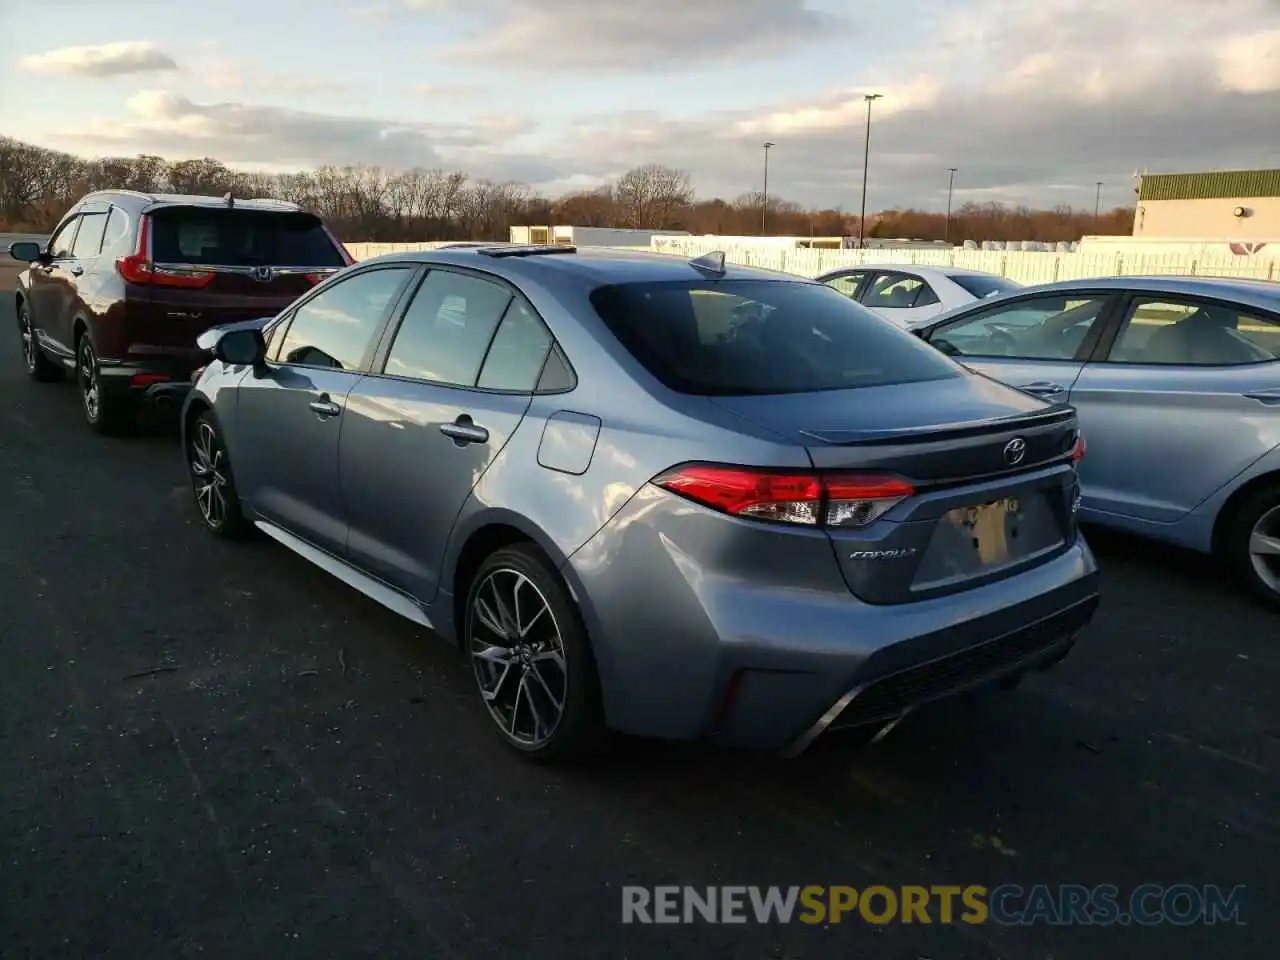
(757, 337)
(201, 266)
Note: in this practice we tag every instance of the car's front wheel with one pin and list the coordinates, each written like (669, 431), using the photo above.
(1252, 544)
(531, 657)
(39, 367)
(212, 481)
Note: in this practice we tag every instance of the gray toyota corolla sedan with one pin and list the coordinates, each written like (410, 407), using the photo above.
(645, 494)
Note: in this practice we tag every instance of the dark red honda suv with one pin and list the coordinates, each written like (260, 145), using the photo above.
(129, 280)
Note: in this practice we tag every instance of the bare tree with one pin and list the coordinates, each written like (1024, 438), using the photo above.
(653, 196)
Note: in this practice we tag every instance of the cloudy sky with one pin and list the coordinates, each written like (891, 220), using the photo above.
(1033, 100)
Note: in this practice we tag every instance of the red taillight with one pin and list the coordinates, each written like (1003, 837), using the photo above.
(138, 268)
(1077, 452)
(837, 500)
(146, 379)
(315, 278)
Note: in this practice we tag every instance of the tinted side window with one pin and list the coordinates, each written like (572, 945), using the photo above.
(892, 292)
(1196, 334)
(116, 237)
(518, 351)
(1040, 328)
(736, 337)
(89, 239)
(336, 328)
(60, 242)
(447, 328)
(848, 284)
(926, 297)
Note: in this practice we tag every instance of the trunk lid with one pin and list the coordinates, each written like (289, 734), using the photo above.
(992, 467)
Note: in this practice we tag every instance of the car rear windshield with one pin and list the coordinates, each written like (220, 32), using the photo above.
(737, 337)
(983, 287)
(241, 238)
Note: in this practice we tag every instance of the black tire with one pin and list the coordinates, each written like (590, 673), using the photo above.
(106, 413)
(1258, 514)
(529, 661)
(39, 367)
(213, 485)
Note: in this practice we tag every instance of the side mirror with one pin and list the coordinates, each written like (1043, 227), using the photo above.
(25, 251)
(241, 348)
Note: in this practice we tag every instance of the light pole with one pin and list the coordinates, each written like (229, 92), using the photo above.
(951, 183)
(1097, 205)
(870, 98)
(764, 195)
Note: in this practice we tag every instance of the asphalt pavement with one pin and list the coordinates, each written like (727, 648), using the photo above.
(216, 750)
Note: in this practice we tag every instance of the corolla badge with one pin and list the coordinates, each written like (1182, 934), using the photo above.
(1015, 451)
(884, 554)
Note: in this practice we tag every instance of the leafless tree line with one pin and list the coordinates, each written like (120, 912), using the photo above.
(368, 203)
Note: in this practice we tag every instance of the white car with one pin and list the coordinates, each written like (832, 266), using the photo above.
(910, 295)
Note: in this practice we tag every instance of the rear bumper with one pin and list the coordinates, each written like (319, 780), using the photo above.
(756, 640)
(159, 382)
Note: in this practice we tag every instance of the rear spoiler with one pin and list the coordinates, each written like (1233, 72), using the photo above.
(1048, 417)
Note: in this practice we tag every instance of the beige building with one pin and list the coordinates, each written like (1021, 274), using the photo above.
(1226, 205)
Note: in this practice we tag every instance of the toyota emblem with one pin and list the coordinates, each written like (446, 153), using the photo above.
(262, 274)
(1014, 451)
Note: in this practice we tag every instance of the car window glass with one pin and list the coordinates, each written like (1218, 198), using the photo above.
(116, 236)
(242, 238)
(336, 327)
(447, 329)
(847, 284)
(982, 286)
(1198, 334)
(925, 297)
(892, 291)
(1043, 328)
(89, 238)
(741, 337)
(518, 351)
(60, 242)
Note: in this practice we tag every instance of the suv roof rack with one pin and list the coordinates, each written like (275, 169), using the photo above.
(526, 249)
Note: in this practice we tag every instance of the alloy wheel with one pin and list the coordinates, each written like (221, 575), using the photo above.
(208, 475)
(29, 346)
(517, 654)
(1264, 549)
(88, 373)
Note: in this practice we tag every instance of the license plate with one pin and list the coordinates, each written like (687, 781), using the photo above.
(975, 539)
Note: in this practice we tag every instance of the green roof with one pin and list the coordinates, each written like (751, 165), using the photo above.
(1222, 185)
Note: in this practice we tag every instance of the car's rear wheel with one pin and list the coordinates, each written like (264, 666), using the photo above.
(1252, 544)
(39, 367)
(106, 413)
(531, 657)
(212, 482)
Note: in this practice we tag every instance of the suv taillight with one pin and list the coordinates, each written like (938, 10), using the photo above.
(138, 268)
(811, 499)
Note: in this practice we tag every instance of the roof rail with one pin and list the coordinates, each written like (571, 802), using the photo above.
(526, 250)
(131, 193)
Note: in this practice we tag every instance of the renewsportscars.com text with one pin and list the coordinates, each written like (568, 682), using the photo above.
(1007, 904)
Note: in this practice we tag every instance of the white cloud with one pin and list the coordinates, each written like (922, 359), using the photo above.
(447, 91)
(103, 60)
(1250, 63)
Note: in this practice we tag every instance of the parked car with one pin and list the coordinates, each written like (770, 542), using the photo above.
(127, 281)
(666, 497)
(912, 295)
(1178, 389)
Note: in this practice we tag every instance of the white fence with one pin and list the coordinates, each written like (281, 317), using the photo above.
(1023, 266)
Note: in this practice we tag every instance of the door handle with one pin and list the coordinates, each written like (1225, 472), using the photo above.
(1269, 397)
(324, 408)
(464, 430)
(1042, 388)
